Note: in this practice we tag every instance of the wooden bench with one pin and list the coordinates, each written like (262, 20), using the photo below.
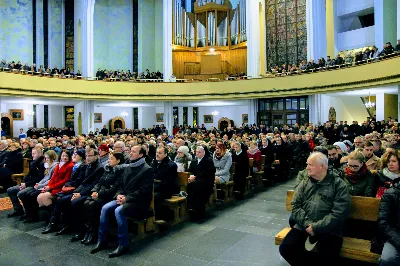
(258, 176)
(177, 203)
(362, 208)
(248, 189)
(18, 177)
(226, 189)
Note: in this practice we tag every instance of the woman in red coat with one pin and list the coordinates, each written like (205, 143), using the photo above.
(62, 173)
(255, 153)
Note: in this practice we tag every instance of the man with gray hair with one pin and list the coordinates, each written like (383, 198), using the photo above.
(320, 207)
(119, 146)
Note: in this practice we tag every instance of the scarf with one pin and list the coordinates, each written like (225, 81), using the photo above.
(253, 151)
(386, 172)
(354, 177)
(76, 165)
(137, 163)
(218, 156)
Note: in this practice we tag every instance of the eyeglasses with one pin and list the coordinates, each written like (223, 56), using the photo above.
(90, 155)
(357, 142)
(353, 166)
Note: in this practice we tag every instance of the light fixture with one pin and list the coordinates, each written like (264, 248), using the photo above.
(124, 114)
(30, 113)
(369, 104)
(215, 113)
(212, 50)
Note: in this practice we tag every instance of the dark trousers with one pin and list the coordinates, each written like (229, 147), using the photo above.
(5, 177)
(198, 195)
(293, 251)
(31, 205)
(77, 214)
(92, 210)
(61, 205)
(15, 194)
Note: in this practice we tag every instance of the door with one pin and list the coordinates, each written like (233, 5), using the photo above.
(6, 126)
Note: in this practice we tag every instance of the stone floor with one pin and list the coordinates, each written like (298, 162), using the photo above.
(239, 234)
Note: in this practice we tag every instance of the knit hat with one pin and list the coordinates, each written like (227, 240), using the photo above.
(104, 147)
(341, 145)
(81, 153)
(348, 143)
(184, 150)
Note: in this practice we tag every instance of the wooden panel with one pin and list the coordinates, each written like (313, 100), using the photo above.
(233, 61)
(362, 208)
(183, 180)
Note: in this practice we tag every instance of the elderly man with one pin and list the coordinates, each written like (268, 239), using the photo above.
(133, 198)
(358, 143)
(119, 146)
(320, 207)
(201, 182)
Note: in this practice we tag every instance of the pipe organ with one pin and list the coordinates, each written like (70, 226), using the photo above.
(212, 23)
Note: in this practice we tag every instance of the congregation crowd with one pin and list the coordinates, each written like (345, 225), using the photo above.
(83, 181)
(349, 59)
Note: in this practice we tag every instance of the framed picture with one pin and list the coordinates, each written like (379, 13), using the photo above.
(160, 117)
(17, 114)
(208, 119)
(245, 118)
(98, 118)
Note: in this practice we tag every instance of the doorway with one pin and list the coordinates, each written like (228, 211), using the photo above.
(6, 125)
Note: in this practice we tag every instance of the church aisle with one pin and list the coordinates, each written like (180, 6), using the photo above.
(239, 234)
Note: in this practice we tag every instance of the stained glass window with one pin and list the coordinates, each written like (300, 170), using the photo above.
(195, 116)
(175, 114)
(185, 116)
(286, 32)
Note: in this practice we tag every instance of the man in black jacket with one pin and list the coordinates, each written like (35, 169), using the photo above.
(133, 199)
(165, 176)
(388, 223)
(201, 182)
(241, 160)
(36, 173)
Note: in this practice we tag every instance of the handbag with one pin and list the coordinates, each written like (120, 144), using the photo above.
(68, 189)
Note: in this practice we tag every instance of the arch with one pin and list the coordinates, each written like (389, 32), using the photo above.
(114, 123)
(7, 115)
(224, 119)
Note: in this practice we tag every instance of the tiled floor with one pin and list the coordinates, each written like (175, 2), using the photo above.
(239, 234)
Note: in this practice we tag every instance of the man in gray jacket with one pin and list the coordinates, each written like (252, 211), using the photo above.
(320, 207)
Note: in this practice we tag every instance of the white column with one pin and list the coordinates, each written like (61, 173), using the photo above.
(380, 107)
(190, 116)
(168, 117)
(87, 116)
(253, 38)
(316, 29)
(315, 107)
(379, 27)
(180, 115)
(62, 35)
(40, 115)
(88, 39)
(253, 109)
(398, 21)
(167, 44)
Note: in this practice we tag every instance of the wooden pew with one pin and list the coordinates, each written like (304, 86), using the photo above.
(362, 208)
(145, 226)
(18, 177)
(226, 189)
(258, 176)
(177, 203)
(248, 189)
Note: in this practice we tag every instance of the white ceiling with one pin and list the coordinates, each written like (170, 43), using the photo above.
(366, 92)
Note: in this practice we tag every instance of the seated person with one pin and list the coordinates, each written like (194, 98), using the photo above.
(388, 224)
(3, 64)
(13, 164)
(165, 176)
(201, 182)
(254, 153)
(316, 238)
(183, 159)
(239, 157)
(30, 201)
(358, 178)
(222, 159)
(102, 193)
(35, 174)
(390, 172)
(372, 162)
(61, 175)
(133, 199)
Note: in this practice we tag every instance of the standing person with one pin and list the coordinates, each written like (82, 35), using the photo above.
(241, 160)
(321, 205)
(133, 199)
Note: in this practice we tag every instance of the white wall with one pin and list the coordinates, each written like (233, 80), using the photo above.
(28, 120)
(146, 39)
(158, 36)
(147, 116)
(347, 7)
(231, 112)
(56, 116)
(348, 108)
(111, 112)
(356, 38)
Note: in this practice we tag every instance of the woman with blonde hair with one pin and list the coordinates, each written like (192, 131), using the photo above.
(358, 178)
(29, 201)
(390, 171)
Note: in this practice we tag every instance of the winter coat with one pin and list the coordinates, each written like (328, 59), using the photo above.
(166, 173)
(364, 187)
(36, 172)
(324, 205)
(108, 184)
(223, 166)
(92, 174)
(14, 161)
(257, 159)
(46, 178)
(60, 176)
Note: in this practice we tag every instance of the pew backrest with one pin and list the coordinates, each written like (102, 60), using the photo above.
(183, 180)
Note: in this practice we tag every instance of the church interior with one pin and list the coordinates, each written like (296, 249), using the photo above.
(196, 81)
